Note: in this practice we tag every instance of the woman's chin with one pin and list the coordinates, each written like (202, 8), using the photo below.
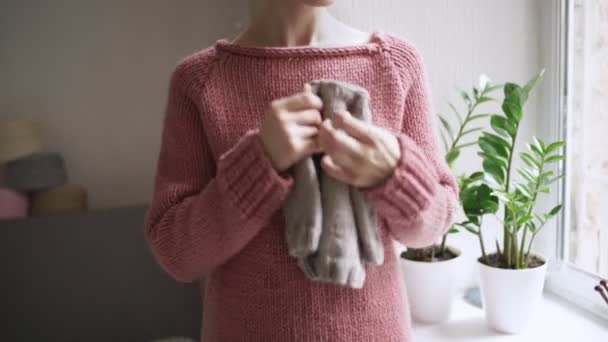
(318, 3)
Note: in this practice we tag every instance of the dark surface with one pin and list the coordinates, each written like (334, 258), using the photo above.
(89, 277)
(495, 261)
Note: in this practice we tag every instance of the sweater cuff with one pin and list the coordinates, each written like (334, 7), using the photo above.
(409, 189)
(252, 185)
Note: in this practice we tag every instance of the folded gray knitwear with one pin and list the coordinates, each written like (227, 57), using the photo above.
(330, 228)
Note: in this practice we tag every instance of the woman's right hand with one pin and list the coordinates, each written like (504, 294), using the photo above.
(289, 129)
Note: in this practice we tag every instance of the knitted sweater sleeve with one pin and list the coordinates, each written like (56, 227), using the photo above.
(417, 200)
(204, 212)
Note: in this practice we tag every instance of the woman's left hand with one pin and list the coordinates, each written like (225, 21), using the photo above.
(357, 153)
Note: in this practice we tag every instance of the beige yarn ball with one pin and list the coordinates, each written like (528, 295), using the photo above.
(61, 199)
(19, 138)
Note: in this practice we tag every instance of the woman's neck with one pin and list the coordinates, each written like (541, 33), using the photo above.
(292, 23)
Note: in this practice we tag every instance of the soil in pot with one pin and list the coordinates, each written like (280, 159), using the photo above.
(427, 255)
(493, 260)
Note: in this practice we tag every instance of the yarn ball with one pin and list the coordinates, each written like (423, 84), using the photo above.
(61, 199)
(35, 172)
(13, 204)
(473, 296)
(19, 138)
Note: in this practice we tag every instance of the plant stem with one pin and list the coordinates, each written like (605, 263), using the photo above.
(532, 240)
(530, 246)
(506, 235)
(532, 204)
(515, 256)
(483, 248)
(464, 124)
(443, 241)
(523, 242)
(466, 120)
(498, 251)
(433, 248)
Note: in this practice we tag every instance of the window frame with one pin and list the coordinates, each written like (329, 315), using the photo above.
(563, 279)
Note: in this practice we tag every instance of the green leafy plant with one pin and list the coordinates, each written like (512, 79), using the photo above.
(483, 192)
(455, 140)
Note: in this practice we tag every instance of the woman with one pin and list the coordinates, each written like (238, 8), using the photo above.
(239, 115)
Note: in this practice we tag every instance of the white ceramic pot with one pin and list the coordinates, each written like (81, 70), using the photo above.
(510, 297)
(431, 287)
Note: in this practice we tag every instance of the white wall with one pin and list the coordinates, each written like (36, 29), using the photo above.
(95, 73)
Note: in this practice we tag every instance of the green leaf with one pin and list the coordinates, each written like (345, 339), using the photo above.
(524, 219)
(536, 150)
(483, 99)
(541, 144)
(476, 176)
(456, 113)
(446, 145)
(552, 180)
(496, 159)
(447, 127)
(531, 84)
(547, 175)
(555, 210)
(494, 171)
(530, 161)
(525, 173)
(554, 158)
(512, 103)
(478, 117)
(452, 155)
(531, 226)
(453, 231)
(524, 190)
(495, 139)
(471, 230)
(465, 145)
(501, 124)
(469, 131)
(494, 145)
(554, 146)
(465, 97)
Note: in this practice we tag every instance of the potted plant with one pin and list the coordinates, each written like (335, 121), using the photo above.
(512, 277)
(430, 273)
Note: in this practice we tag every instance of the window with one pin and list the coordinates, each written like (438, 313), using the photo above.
(580, 96)
(588, 121)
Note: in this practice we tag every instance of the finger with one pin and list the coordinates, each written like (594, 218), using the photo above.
(334, 170)
(300, 101)
(307, 147)
(354, 127)
(344, 149)
(307, 88)
(306, 117)
(304, 131)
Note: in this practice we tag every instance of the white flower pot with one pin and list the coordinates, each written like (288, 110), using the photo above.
(510, 297)
(431, 287)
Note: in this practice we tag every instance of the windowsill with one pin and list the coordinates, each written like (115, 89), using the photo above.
(555, 320)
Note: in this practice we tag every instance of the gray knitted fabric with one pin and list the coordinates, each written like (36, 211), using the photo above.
(35, 172)
(330, 228)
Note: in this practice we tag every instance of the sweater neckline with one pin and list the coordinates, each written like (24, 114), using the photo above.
(375, 44)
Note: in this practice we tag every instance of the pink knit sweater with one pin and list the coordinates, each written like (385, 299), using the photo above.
(216, 210)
